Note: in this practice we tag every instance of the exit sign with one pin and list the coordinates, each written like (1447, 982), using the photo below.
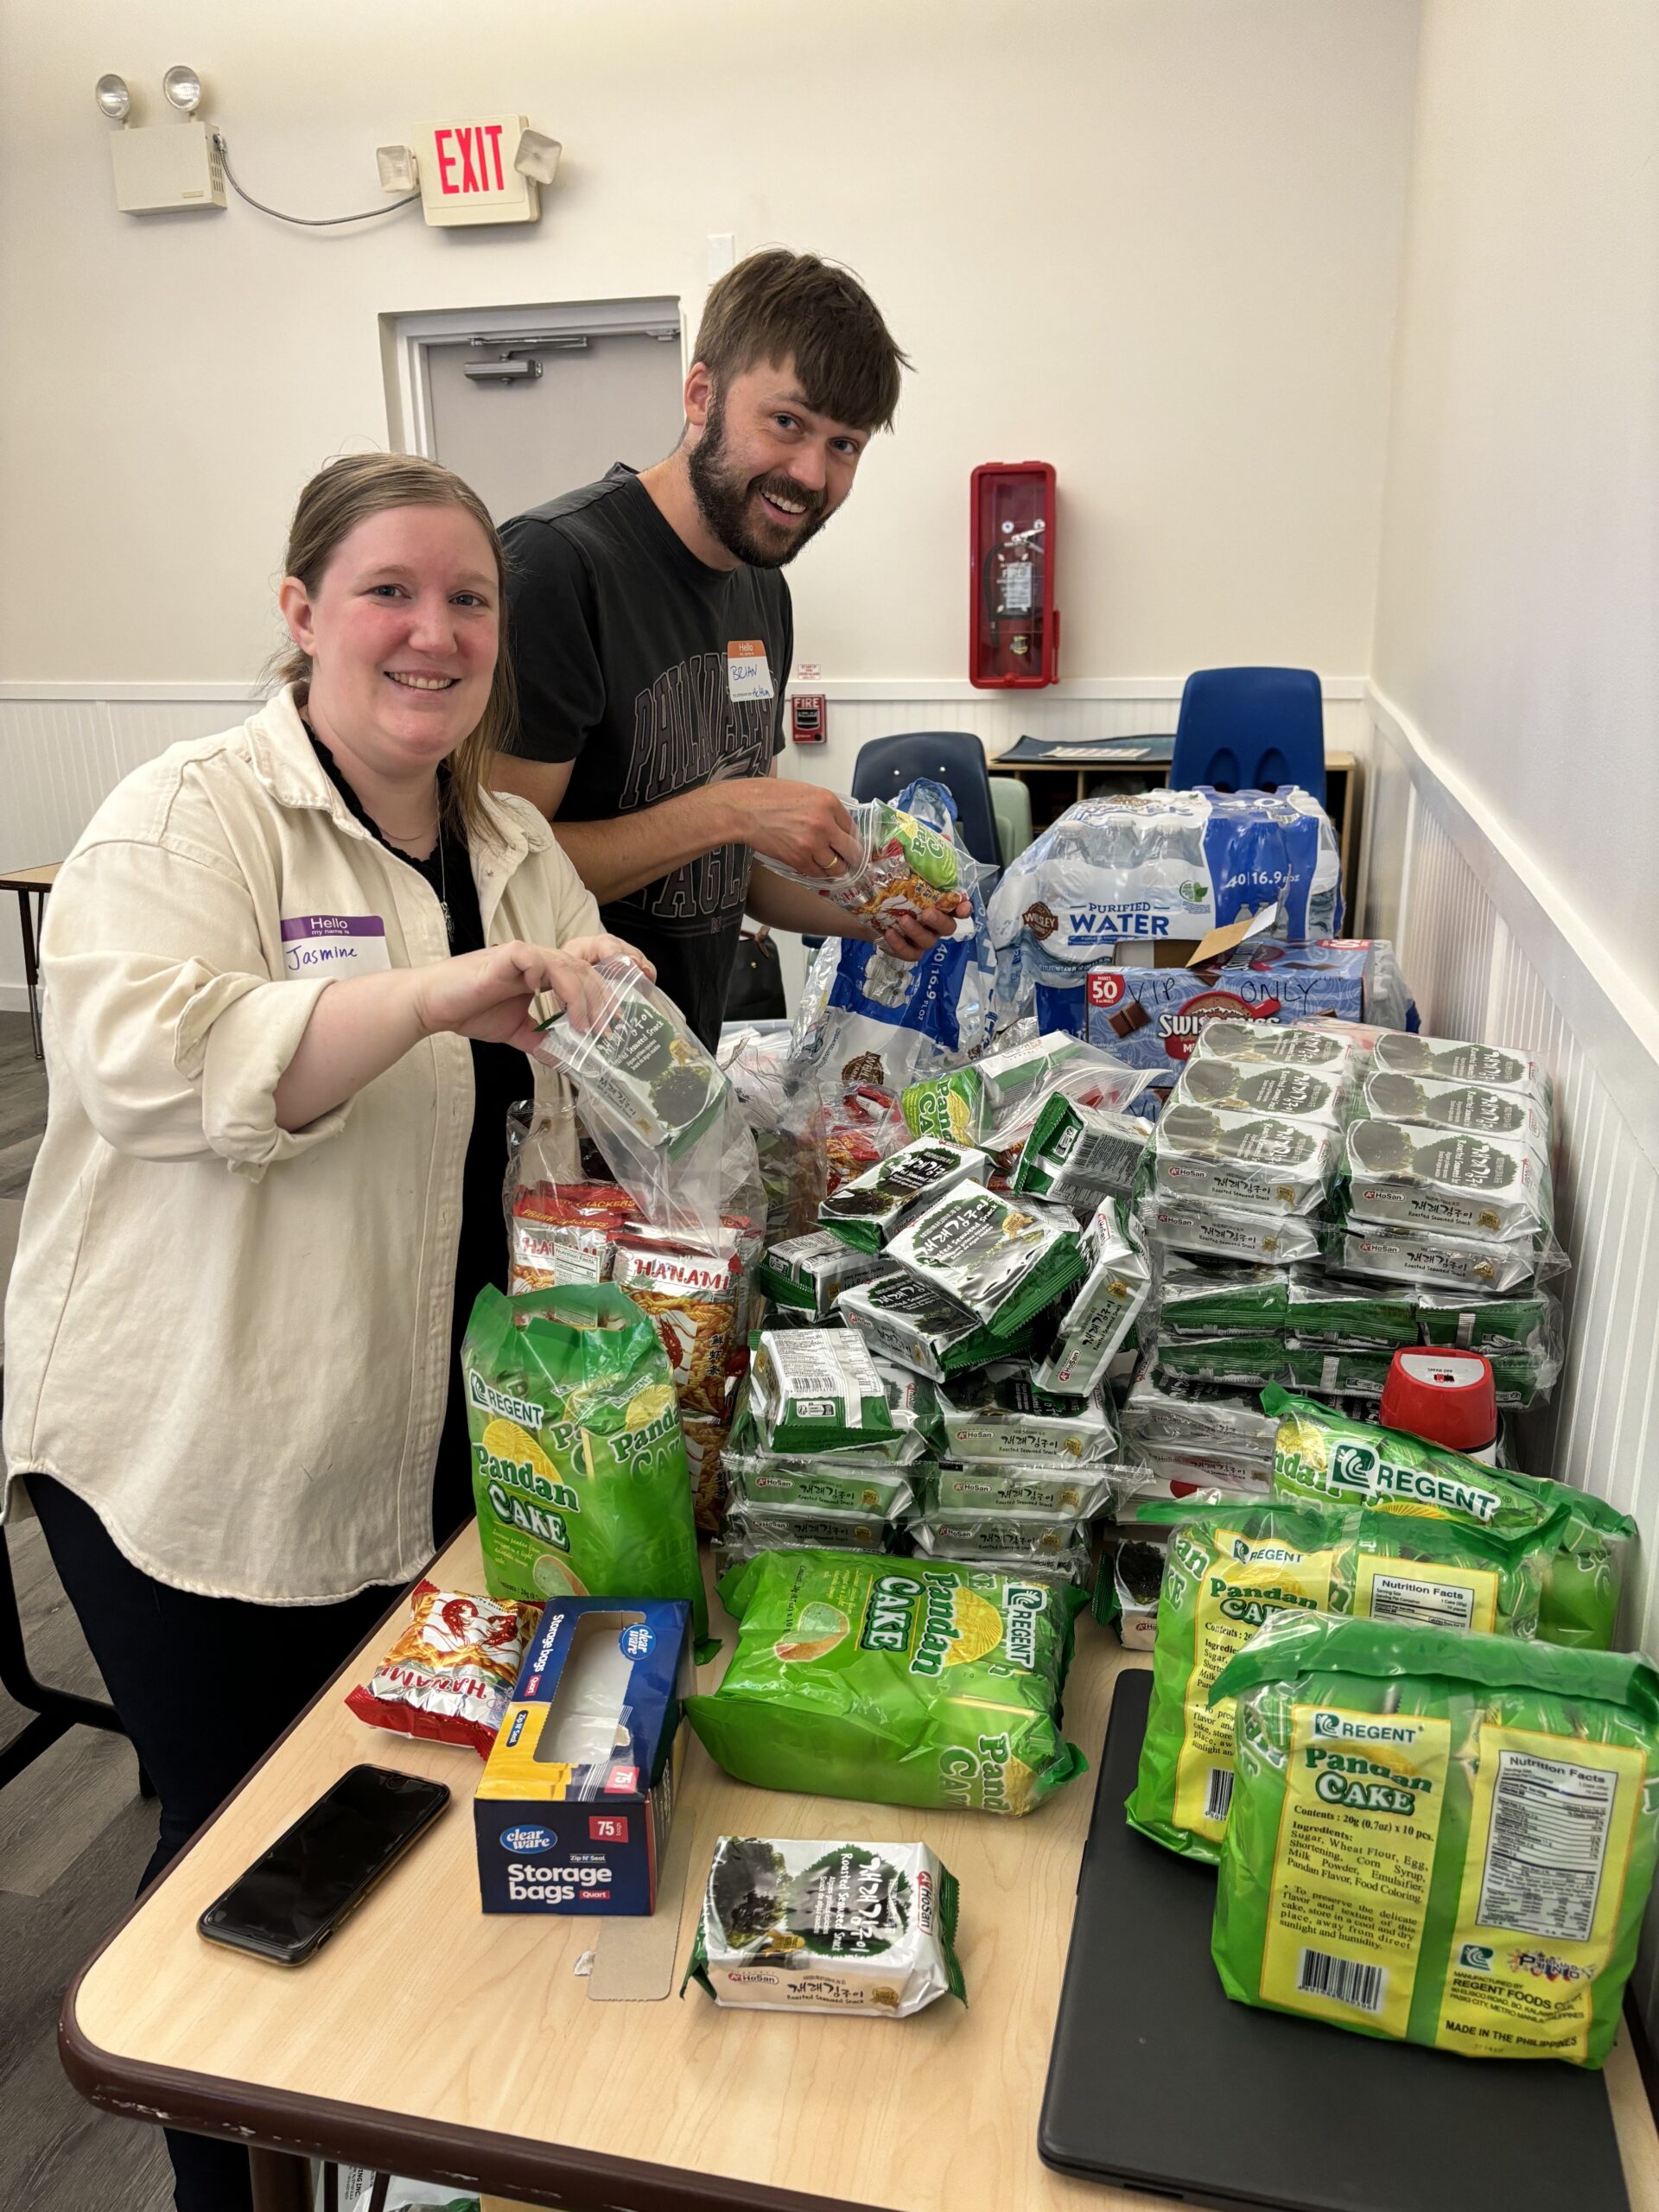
(466, 172)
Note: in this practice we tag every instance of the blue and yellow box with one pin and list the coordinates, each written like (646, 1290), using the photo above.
(572, 1811)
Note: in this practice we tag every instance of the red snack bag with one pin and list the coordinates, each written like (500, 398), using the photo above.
(450, 1674)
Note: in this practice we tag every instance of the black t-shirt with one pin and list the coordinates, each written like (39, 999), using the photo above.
(619, 636)
(501, 1076)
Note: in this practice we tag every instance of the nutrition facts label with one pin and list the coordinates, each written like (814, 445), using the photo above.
(1546, 1846)
(1437, 1604)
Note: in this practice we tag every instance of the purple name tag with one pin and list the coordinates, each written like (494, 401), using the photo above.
(332, 944)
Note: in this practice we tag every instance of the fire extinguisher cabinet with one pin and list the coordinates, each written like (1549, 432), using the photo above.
(1013, 624)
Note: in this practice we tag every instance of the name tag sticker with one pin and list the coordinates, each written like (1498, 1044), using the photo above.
(747, 676)
(333, 944)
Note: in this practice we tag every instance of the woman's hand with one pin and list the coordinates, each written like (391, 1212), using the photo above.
(490, 994)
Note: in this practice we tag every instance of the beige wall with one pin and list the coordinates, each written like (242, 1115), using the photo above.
(1518, 615)
(1153, 241)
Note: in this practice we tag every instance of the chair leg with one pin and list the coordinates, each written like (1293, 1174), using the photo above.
(56, 1710)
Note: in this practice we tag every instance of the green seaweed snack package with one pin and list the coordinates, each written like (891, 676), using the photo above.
(1004, 1259)
(817, 1390)
(866, 1212)
(859, 1927)
(902, 1681)
(1439, 1839)
(1234, 1565)
(579, 1471)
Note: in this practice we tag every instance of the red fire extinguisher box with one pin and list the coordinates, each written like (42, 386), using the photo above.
(1014, 626)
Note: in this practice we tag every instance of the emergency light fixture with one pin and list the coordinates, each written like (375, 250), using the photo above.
(183, 88)
(113, 98)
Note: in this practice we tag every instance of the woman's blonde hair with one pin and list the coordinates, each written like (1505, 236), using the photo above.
(347, 492)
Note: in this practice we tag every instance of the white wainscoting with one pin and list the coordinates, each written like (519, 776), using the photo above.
(64, 747)
(1488, 956)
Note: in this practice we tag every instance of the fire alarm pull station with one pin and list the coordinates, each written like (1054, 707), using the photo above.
(806, 718)
(1014, 626)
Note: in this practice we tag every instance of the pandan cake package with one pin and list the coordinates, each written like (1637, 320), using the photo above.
(852, 1928)
(1235, 1564)
(1437, 1839)
(900, 1682)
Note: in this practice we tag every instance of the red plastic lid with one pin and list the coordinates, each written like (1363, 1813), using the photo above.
(1445, 1397)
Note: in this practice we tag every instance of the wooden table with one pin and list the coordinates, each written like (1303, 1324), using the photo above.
(31, 883)
(441, 2043)
(1056, 785)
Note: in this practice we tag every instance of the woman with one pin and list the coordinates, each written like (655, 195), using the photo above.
(290, 976)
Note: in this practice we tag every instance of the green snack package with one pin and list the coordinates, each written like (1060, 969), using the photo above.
(1081, 1155)
(817, 1390)
(579, 1470)
(859, 1928)
(1199, 1297)
(902, 1681)
(640, 1063)
(1229, 1362)
(999, 1414)
(866, 1212)
(1524, 1323)
(904, 1319)
(1256, 1087)
(1319, 1453)
(951, 1106)
(822, 1486)
(976, 1488)
(1004, 1259)
(1350, 1315)
(1439, 1839)
(1323, 1455)
(808, 1273)
(1234, 1565)
(1335, 1373)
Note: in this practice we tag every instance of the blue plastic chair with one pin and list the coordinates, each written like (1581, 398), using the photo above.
(952, 757)
(1250, 729)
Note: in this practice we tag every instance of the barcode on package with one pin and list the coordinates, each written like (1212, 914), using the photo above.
(811, 1389)
(1345, 1981)
(1218, 1794)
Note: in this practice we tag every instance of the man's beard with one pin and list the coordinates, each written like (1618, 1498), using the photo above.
(725, 500)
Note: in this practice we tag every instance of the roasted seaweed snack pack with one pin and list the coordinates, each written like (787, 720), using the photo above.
(1029, 1544)
(1299, 1045)
(998, 1413)
(1321, 1308)
(1207, 1298)
(1439, 1839)
(1261, 1163)
(823, 1485)
(900, 1681)
(579, 1467)
(1235, 1566)
(1233, 1363)
(1446, 1180)
(1263, 1087)
(867, 1929)
(1108, 1303)
(1081, 1155)
(806, 1275)
(1227, 1232)
(868, 1210)
(1528, 1322)
(1004, 1259)
(1440, 1060)
(977, 1486)
(749, 1528)
(1433, 1255)
(817, 1389)
(636, 1060)
(904, 1319)
(1517, 1115)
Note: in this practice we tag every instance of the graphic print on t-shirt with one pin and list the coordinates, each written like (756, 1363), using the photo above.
(688, 732)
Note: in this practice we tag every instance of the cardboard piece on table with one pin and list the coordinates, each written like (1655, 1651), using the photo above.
(1192, 952)
(634, 1955)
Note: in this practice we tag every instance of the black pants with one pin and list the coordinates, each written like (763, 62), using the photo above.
(204, 1687)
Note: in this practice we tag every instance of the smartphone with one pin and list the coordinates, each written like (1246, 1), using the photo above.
(295, 1894)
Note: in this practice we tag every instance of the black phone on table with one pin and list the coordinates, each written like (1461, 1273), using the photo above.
(295, 1894)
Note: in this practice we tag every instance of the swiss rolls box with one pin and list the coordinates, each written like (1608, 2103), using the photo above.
(572, 1811)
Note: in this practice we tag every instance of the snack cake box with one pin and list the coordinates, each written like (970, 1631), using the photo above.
(1149, 1016)
(571, 1814)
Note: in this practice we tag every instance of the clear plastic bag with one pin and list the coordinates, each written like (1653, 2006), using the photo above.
(896, 864)
(653, 1099)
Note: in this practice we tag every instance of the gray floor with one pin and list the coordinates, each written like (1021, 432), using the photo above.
(74, 1835)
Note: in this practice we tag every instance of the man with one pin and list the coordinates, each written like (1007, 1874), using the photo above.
(651, 636)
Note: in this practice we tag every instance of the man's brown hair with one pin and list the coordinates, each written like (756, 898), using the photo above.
(778, 306)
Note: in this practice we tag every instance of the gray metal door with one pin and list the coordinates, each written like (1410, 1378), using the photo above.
(569, 407)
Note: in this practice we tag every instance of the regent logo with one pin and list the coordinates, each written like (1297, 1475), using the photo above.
(1476, 1958)
(528, 1839)
(1353, 1466)
(524, 1411)
(1362, 1731)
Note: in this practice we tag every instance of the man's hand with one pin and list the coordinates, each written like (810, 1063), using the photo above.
(913, 937)
(801, 826)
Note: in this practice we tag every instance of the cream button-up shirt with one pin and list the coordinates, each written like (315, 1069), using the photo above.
(232, 1341)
